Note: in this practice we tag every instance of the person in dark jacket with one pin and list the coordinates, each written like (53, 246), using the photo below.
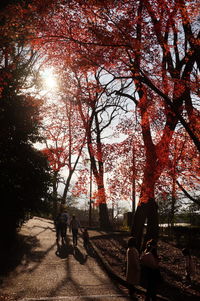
(150, 268)
(74, 227)
(61, 226)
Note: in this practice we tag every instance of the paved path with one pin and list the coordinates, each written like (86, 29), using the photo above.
(45, 274)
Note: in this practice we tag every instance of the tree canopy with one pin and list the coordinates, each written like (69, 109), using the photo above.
(24, 171)
(147, 52)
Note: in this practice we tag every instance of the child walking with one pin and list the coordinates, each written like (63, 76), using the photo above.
(85, 237)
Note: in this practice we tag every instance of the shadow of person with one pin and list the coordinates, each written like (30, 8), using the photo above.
(64, 249)
(13, 252)
(89, 249)
(79, 256)
(65, 240)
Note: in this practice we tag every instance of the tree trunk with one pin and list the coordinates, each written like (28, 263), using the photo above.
(55, 199)
(173, 201)
(138, 224)
(104, 220)
(146, 212)
(67, 183)
(152, 221)
(98, 171)
(133, 179)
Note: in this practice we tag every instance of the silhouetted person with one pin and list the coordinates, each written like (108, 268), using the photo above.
(133, 265)
(61, 226)
(85, 237)
(150, 266)
(74, 226)
(65, 217)
(189, 265)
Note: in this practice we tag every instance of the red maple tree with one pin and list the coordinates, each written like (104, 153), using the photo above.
(150, 50)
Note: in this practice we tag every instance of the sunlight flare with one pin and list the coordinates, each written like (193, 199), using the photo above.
(49, 80)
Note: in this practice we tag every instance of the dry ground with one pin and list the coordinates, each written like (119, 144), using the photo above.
(113, 249)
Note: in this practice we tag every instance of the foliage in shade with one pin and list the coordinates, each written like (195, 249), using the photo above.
(24, 171)
(24, 175)
(149, 50)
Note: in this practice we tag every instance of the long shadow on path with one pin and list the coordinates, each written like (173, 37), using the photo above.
(22, 251)
(22, 247)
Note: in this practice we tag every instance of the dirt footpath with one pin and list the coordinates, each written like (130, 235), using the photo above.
(46, 273)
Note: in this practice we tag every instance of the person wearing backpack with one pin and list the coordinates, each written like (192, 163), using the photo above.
(61, 226)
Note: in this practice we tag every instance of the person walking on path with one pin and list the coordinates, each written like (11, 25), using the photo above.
(61, 226)
(132, 265)
(74, 226)
(65, 217)
(85, 238)
(150, 268)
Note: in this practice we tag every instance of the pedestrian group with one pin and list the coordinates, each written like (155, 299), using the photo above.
(144, 269)
(140, 269)
(62, 222)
